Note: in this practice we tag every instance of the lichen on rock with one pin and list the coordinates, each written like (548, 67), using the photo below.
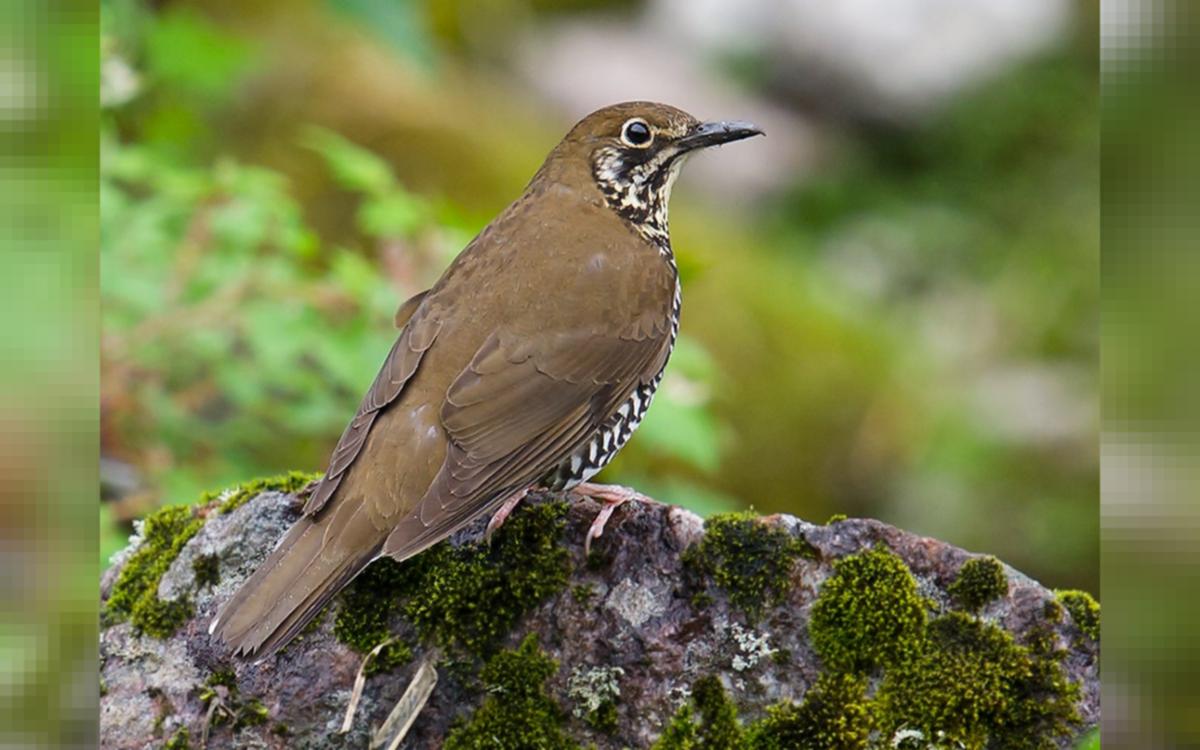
(595, 691)
(752, 647)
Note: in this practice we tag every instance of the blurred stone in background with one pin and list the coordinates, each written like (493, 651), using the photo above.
(893, 61)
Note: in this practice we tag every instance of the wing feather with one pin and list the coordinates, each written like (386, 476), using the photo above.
(402, 361)
(514, 414)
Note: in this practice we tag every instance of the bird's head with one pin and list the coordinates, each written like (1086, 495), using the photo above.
(633, 152)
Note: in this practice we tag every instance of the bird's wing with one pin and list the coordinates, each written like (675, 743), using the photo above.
(406, 310)
(524, 404)
(420, 330)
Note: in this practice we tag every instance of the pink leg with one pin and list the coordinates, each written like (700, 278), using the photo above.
(501, 515)
(612, 496)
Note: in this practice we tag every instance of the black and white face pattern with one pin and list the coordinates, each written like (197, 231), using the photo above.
(636, 173)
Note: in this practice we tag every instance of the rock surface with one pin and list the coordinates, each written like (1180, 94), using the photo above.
(631, 606)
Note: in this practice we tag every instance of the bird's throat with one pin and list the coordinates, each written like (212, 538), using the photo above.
(640, 193)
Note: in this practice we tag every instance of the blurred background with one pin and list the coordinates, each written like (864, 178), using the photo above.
(890, 303)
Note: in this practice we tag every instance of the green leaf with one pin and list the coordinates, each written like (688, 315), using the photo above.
(353, 166)
(397, 213)
(680, 430)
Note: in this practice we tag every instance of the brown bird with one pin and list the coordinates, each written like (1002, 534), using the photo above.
(528, 364)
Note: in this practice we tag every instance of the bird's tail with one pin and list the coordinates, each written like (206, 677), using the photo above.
(312, 563)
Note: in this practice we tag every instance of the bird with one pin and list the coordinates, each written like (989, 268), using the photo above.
(527, 365)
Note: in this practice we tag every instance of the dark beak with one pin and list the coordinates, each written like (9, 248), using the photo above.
(715, 133)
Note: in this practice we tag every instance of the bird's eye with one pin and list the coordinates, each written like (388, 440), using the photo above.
(636, 133)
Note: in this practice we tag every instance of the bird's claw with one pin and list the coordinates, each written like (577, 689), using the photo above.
(612, 496)
(597, 527)
(501, 515)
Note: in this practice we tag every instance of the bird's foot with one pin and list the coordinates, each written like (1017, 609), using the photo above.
(612, 496)
(501, 515)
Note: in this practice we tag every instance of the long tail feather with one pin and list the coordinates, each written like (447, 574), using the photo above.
(308, 567)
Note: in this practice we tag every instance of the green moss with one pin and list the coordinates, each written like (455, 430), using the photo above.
(517, 713)
(164, 533)
(232, 708)
(225, 678)
(702, 599)
(362, 619)
(583, 592)
(868, 613)
(681, 733)
(135, 594)
(232, 499)
(835, 715)
(207, 570)
(835, 518)
(179, 740)
(1084, 611)
(471, 596)
(955, 681)
(750, 560)
(971, 683)
(253, 713)
(980, 580)
(603, 719)
(711, 725)
(464, 598)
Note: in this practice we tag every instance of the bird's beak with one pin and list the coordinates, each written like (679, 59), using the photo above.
(715, 133)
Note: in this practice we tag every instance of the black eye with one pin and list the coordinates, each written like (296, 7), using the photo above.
(636, 133)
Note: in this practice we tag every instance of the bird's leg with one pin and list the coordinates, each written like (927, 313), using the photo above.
(612, 496)
(501, 515)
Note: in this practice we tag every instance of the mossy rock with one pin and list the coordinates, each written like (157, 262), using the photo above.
(749, 559)
(856, 617)
(1084, 611)
(135, 594)
(868, 614)
(517, 712)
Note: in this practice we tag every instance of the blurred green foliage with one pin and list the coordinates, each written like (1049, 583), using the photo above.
(853, 345)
